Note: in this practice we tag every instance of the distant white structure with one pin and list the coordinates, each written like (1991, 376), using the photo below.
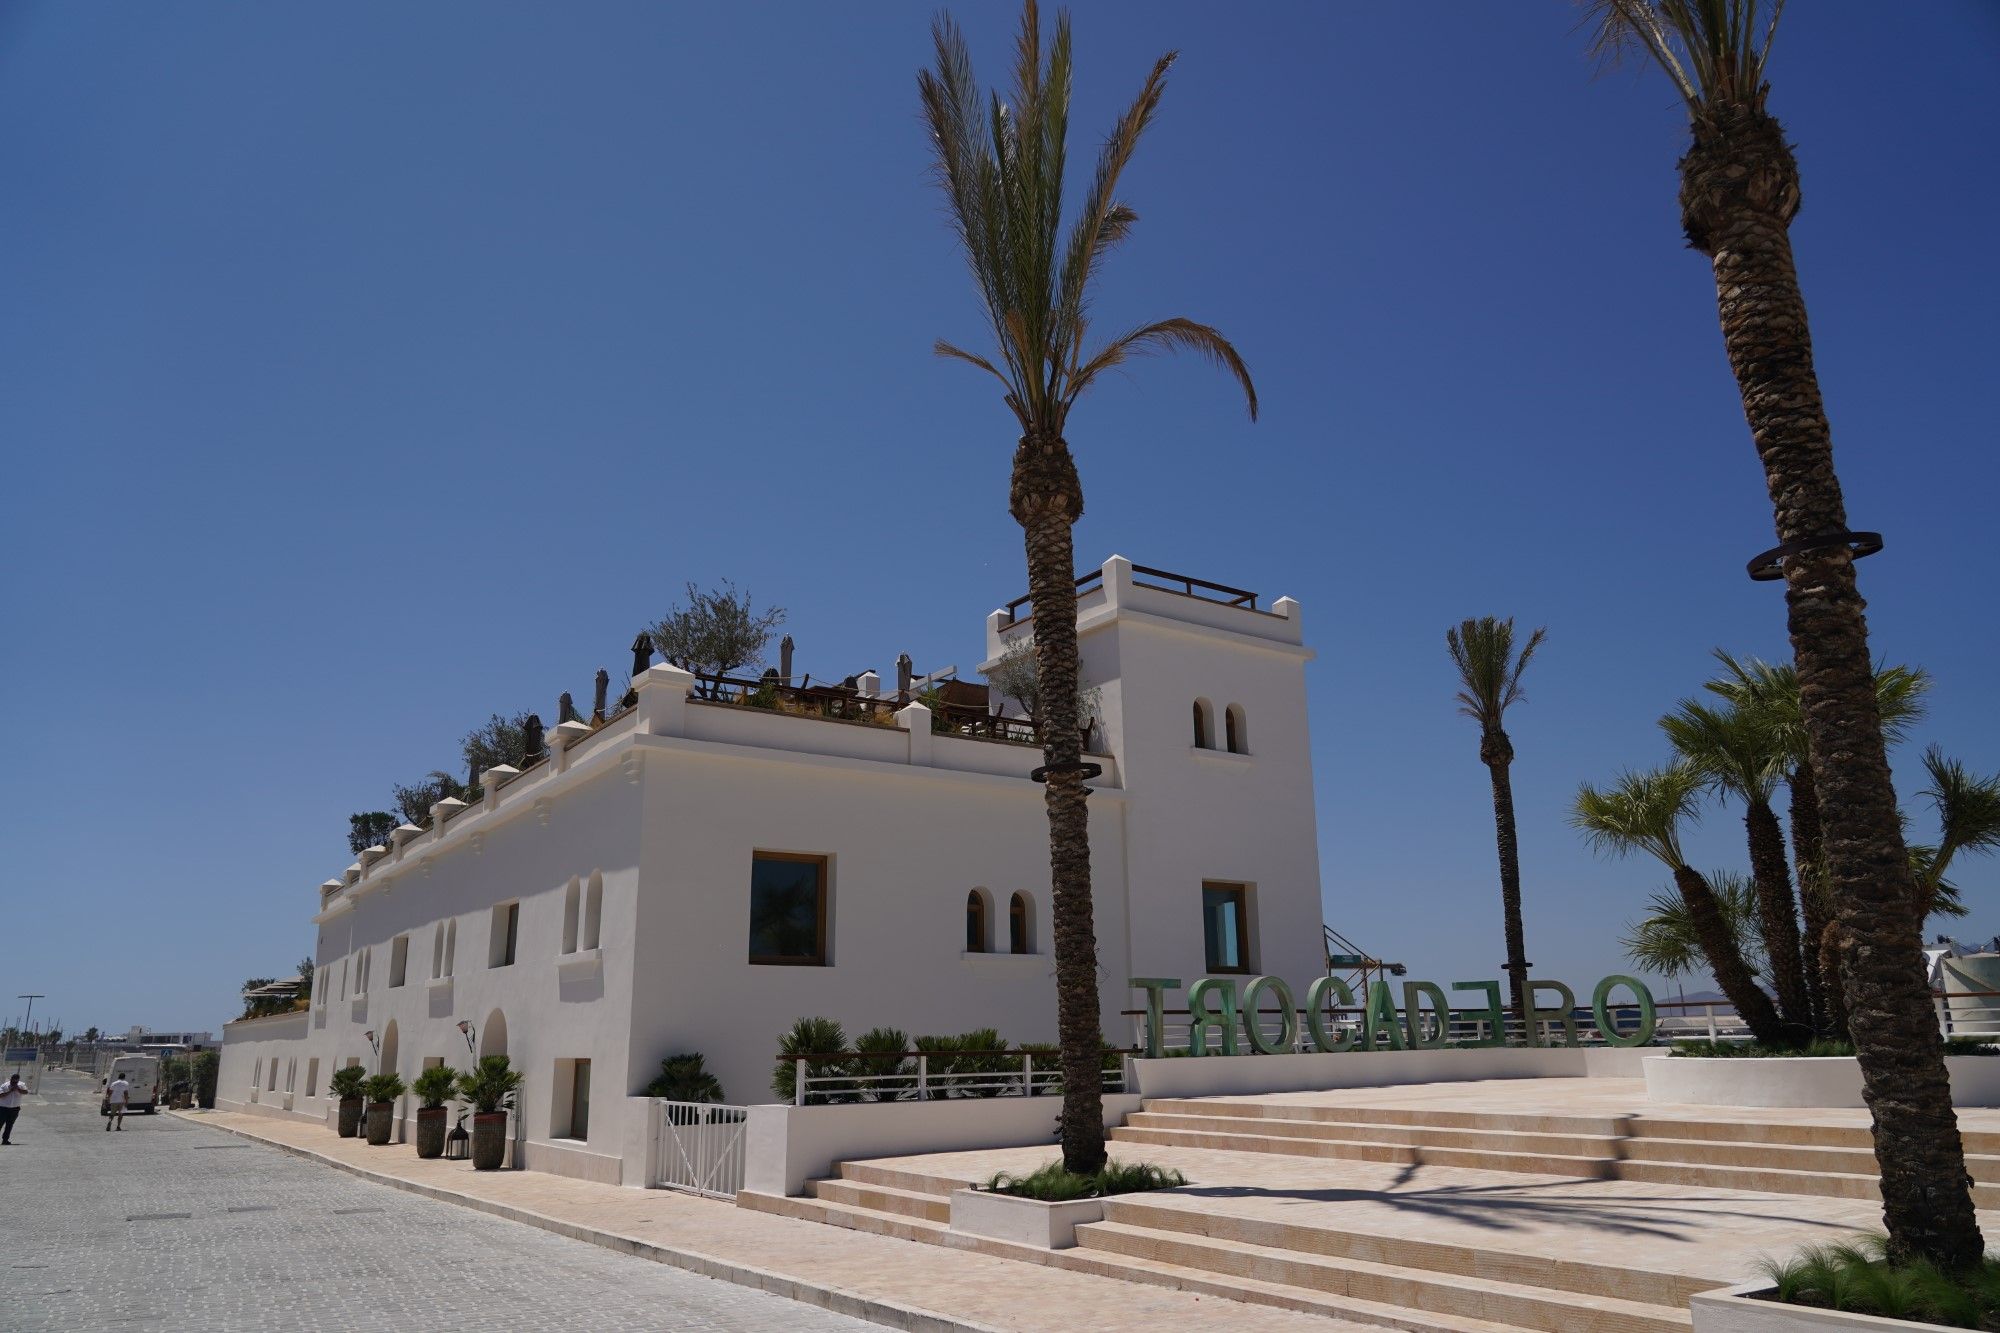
(138, 1036)
(696, 873)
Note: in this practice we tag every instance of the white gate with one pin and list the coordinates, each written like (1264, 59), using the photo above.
(700, 1147)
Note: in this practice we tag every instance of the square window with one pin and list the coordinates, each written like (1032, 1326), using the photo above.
(506, 934)
(399, 960)
(1225, 921)
(788, 909)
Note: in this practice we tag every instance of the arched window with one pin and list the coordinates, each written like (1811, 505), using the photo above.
(593, 910)
(450, 945)
(437, 951)
(1236, 735)
(571, 905)
(1203, 712)
(975, 922)
(1020, 922)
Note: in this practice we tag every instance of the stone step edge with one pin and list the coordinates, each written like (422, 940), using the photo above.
(1331, 1128)
(1525, 1122)
(1554, 1304)
(925, 1201)
(1110, 1263)
(1411, 1252)
(894, 1177)
(1544, 1164)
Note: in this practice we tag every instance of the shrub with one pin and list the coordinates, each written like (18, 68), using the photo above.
(1819, 1049)
(975, 1063)
(882, 1058)
(381, 1088)
(1053, 1184)
(683, 1079)
(346, 1081)
(490, 1085)
(1857, 1277)
(823, 1038)
(435, 1085)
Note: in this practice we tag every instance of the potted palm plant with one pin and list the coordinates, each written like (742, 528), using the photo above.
(490, 1087)
(346, 1085)
(382, 1090)
(432, 1087)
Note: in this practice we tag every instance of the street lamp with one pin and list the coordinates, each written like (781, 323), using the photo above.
(375, 1046)
(467, 1031)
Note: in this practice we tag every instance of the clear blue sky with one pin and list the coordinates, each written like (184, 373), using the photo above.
(370, 368)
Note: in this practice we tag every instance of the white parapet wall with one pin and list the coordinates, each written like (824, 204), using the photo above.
(790, 1145)
(1799, 1081)
(1243, 1075)
(1742, 1309)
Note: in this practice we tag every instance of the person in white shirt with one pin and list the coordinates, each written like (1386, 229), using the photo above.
(10, 1108)
(115, 1093)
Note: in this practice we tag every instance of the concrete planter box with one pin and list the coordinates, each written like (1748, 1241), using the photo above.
(1801, 1082)
(1736, 1310)
(1046, 1226)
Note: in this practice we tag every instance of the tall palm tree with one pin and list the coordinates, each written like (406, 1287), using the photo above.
(1000, 163)
(1643, 812)
(1771, 690)
(1490, 672)
(1664, 941)
(1738, 755)
(1739, 193)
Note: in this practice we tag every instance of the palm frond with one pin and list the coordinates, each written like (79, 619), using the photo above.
(1715, 51)
(1737, 750)
(1665, 942)
(1641, 811)
(1968, 811)
(1482, 648)
(1167, 335)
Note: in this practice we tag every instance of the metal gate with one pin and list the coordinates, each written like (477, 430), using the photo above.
(700, 1147)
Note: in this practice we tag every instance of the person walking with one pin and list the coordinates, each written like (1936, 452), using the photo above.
(115, 1093)
(10, 1108)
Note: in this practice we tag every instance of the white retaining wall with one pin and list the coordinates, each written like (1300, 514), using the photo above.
(1800, 1081)
(1235, 1076)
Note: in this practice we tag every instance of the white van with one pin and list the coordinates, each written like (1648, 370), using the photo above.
(143, 1073)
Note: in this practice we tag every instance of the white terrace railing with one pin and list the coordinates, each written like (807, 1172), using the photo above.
(911, 1077)
(700, 1147)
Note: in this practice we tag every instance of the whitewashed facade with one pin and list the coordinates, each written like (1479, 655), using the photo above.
(625, 861)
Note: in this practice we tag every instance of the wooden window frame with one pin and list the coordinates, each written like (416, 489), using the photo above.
(1239, 892)
(1020, 913)
(825, 864)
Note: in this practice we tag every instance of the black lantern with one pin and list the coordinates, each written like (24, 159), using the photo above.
(458, 1143)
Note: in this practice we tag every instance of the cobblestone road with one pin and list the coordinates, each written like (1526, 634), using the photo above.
(173, 1225)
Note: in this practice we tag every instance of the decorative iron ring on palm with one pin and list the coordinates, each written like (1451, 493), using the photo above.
(1089, 770)
(1769, 566)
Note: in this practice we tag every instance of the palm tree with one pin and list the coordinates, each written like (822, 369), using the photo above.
(1489, 670)
(1739, 193)
(1968, 810)
(1643, 812)
(1664, 940)
(1738, 755)
(1772, 691)
(1000, 163)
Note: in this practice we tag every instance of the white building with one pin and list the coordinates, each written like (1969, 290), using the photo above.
(693, 875)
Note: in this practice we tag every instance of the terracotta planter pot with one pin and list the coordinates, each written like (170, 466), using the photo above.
(489, 1140)
(381, 1119)
(430, 1131)
(350, 1117)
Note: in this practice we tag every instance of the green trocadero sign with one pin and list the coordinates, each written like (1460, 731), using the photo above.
(1214, 1002)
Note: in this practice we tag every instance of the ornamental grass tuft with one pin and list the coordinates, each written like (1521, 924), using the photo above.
(1856, 1277)
(1821, 1048)
(1052, 1184)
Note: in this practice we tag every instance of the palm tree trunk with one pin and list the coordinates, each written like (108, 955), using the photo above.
(1822, 978)
(1778, 915)
(1739, 190)
(1047, 499)
(1510, 882)
(1718, 945)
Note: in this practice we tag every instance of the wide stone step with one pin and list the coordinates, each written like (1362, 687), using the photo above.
(1564, 1145)
(1647, 1286)
(851, 1216)
(917, 1182)
(885, 1199)
(1469, 1159)
(1390, 1285)
(1775, 1180)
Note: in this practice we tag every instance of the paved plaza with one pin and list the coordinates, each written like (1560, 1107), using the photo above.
(174, 1225)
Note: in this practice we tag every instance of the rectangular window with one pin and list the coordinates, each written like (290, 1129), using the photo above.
(788, 909)
(506, 934)
(312, 1077)
(274, 1075)
(579, 1102)
(399, 960)
(1225, 920)
(291, 1074)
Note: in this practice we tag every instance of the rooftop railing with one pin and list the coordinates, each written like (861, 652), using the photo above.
(1163, 581)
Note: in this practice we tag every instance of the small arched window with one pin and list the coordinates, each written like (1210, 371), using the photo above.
(571, 906)
(1202, 727)
(1019, 922)
(437, 951)
(593, 910)
(1236, 735)
(450, 946)
(975, 922)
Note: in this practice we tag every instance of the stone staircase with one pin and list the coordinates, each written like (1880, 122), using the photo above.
(1774, 1158)
(1385, 1281)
